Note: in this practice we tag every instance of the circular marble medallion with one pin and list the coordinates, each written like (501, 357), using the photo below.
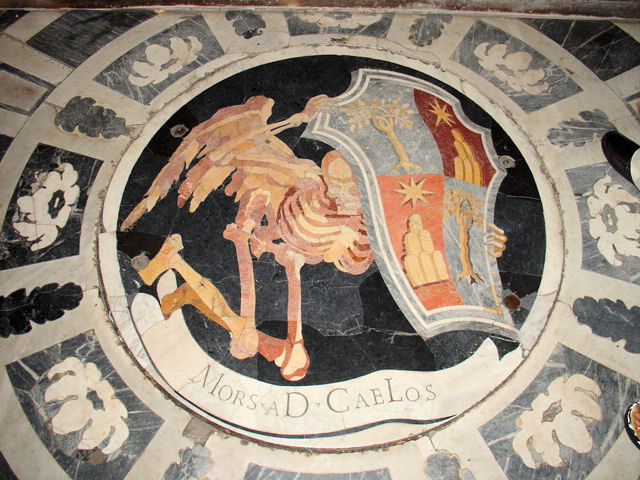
(324, 251)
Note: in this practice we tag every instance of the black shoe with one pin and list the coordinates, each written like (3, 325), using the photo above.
(618, 150)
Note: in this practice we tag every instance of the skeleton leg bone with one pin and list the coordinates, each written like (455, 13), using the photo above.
(268, 346)
(221, 313)
(245, 339)
(294, 359)
(247, 342)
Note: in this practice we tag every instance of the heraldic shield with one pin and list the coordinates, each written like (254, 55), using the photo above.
(428, 179)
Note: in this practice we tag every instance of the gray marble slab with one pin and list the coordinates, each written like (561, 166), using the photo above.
(29, 377)
(194, 32)
(428, 28)
(601, 45)
(16, 250)
(90, 119)
(246, 24)
(610, 319)
(78, 34)
(338, 22)
(444, 466)
(616, 393)
(611, 227)
(591, 125)
(533, 83)
(194, 464)
(258, 472)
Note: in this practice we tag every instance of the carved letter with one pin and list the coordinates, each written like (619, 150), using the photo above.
(330, 405)
(306, 404)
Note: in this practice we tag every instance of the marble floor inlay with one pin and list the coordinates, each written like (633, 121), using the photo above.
(306, 243)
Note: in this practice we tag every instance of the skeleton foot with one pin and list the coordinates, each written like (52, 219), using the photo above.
(406, 165)
(293, 361)
(171, 302)
(163, 260)
(470, 277)
(246, 345)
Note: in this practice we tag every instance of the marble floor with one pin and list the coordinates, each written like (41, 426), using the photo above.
(316, 244)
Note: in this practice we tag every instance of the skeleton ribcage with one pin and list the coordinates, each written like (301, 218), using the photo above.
(310, 223)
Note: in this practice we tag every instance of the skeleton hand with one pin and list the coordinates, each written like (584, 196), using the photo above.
(311, 109)
(495, 241)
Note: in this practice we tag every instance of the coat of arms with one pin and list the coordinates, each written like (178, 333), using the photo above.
(410, 181)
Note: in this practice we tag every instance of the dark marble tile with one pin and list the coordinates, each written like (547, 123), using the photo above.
(522, 220)
(608, 206)
(610, 319)
(5, 141)
(246, 24)
(46, 383)
(444, 466)
(338, 22)
(90, 119)
(46, 303)
(518, 211)
(428, 28)
(194, 463)
(5, 470)
(601, 45)
(54, 186)
(8, 17)
(142, 73)
(258, 472)
(78, 34)
(526, 76)
(583, 402)
(592, 125)
(30, 82)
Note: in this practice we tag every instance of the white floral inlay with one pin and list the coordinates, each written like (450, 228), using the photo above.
(74, 382)
(615, 220)
(558, 416)
(162, 62)
(513, 69)
(57, 191)
(340, 19)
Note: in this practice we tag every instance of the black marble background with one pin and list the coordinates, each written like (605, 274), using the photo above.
(5, 141)
(5, 470)
(352, 326)
(8, 17)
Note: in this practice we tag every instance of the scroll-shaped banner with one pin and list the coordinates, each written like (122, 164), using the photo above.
(428, 179)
